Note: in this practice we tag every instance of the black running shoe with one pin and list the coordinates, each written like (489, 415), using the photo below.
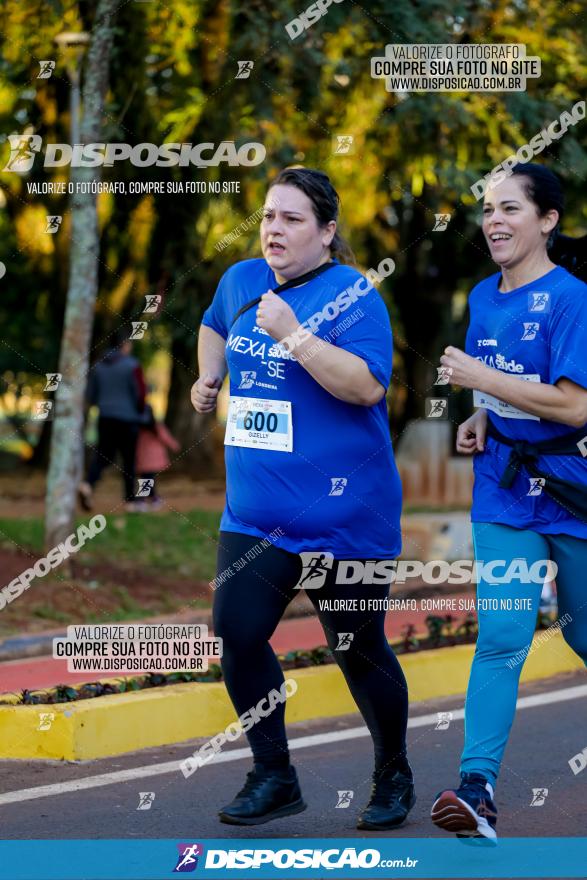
(392, 798)
(467, 811)
(266, 795)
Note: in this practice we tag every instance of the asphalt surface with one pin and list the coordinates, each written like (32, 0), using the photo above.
(544, 739)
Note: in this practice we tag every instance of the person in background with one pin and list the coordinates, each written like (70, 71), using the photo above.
(152, 455)
(117, 387)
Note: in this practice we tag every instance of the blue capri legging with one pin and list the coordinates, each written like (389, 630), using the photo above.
(505, 634)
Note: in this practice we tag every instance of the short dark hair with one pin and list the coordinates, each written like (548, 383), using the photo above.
(120, 336)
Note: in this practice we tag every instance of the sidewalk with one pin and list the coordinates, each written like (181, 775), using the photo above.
(292, 633)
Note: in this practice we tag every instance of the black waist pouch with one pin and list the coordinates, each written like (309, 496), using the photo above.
(571, 496)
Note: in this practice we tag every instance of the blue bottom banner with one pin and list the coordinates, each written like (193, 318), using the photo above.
(365, 857)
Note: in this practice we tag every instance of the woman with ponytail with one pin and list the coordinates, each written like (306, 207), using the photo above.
(313, 496)
(571, 254)
(526, 361)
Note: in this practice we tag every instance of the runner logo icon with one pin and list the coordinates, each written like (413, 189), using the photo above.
(146, 799)
(343, 144)
(344, 641)
(42, 410)
(315, 567)
(338, 485)
(46, 69)
(152, 301)
(441, 222)
(444, 719)
(138, 329)
(344, 799)
(247, 378)
(23, 148)
(46, 719)
(444, 374)
(53, 380)
(53, 223)
(539, 795)
(188, 857)
(530, 330)
(244, 69)
(536, 485)
(145, 486)
(437, 408)
(538, 301)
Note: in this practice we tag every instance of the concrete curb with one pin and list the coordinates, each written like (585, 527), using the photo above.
(120, 723)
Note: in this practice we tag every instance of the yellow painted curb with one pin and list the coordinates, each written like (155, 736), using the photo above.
(122, 723)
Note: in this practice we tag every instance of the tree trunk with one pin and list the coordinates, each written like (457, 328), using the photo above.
(65, 467)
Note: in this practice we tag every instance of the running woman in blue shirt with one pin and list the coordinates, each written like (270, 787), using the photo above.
(526, 361)
(313, 496)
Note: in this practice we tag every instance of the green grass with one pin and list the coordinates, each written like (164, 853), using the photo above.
(46, 612)
(174, 543)
(25, 533)
(128, 610)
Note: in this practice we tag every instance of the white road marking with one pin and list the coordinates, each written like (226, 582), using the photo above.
(301, 742)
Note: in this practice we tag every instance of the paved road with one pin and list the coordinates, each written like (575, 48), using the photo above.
(544, 738)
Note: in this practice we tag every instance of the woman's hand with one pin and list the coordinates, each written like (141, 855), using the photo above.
(276, 317)
(205, 392)
(471, 434)
(465, 370)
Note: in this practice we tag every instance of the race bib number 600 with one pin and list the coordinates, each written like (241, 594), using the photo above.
(259, 424)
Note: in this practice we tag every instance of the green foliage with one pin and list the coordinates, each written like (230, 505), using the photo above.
(173, 72)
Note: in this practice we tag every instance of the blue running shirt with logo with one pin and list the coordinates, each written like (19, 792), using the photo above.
(537, 332)
(338, 490)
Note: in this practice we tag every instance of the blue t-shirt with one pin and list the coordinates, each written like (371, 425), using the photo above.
(537, 332)
(338, 490)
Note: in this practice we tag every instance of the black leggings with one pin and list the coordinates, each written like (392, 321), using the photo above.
(115, 435)
(249, 604)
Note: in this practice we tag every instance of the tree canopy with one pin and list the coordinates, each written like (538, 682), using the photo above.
(173, 78)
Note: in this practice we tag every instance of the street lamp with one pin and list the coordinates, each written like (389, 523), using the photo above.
(73, 44)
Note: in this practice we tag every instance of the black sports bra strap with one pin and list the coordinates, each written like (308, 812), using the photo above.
(293, 282)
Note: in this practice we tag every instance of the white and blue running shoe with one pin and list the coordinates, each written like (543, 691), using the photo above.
(467, 811)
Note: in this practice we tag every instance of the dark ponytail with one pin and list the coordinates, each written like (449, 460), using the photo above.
(571, 254)
(544, 188)
(325, 203)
